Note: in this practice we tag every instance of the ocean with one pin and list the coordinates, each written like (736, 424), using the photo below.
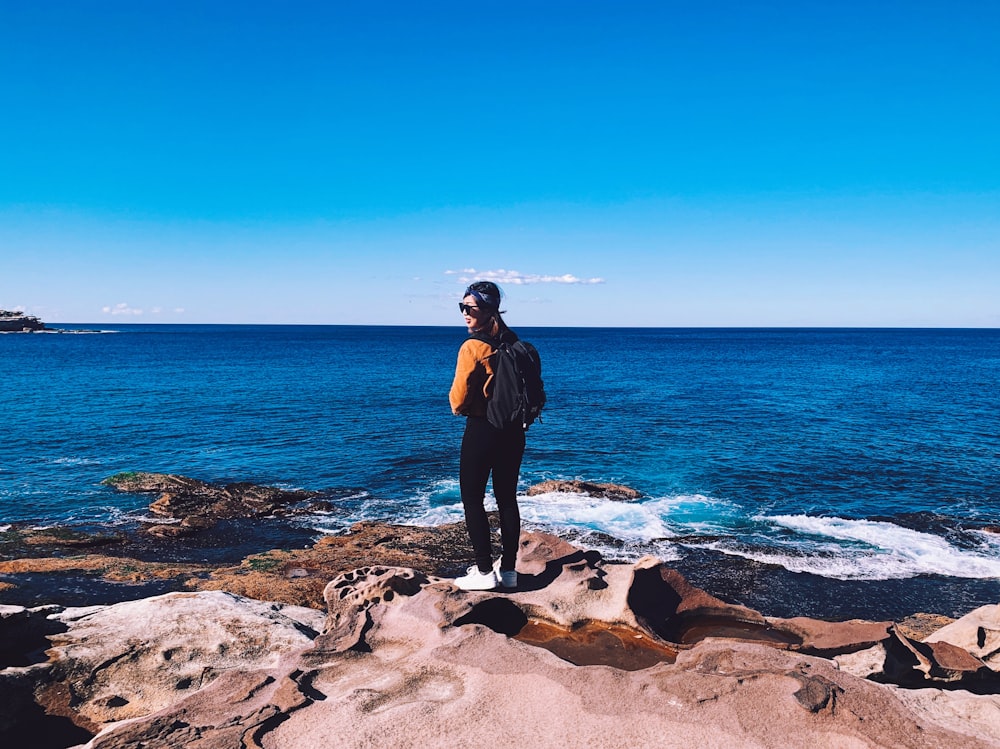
(824, 472)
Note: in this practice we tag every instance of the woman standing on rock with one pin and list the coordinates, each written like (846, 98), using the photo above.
(486, 449)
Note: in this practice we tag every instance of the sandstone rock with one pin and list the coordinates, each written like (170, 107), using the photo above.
(607, 491)
(665, 603)
(865, 664)
(421, 675)
(919, 625)
(833, 638)
(131, 659)
(912, 663)
(977, 632)
(407, 659)
(236, 710)
(299, 576)
(350, 598)
(974, 716)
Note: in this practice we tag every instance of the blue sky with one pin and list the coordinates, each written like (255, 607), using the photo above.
(634, 163)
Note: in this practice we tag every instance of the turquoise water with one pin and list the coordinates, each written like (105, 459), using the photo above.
(850, 456)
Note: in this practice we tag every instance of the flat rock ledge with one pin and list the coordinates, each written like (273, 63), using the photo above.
(587, 488)
(581, 653)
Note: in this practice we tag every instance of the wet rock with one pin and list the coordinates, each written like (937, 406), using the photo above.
(24, 540)
(199, 505)
(605, 491)
(442, 550)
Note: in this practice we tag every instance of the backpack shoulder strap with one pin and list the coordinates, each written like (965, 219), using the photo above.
(485, 338)
(507, 336)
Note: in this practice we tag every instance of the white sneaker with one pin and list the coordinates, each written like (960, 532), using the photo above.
(473, 579)
(506, 578)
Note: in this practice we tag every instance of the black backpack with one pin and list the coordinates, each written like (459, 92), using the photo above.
(518, 395)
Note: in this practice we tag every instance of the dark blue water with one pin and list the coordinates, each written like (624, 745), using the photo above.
(853, 455)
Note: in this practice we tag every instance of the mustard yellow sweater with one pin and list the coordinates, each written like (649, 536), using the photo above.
(473, 379)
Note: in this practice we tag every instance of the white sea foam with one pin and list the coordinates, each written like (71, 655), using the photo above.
(77, 461)
(988, 542)
(441, 515)
(566, 512)
(830, 547)
(626, 551)
(864, 550)
(334, 531)
(644, 520)
(4, 528)
(618, 530)
(155, 519)
(441, 491)
(357, 495)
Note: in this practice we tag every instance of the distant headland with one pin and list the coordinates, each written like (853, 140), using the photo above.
(18, 322)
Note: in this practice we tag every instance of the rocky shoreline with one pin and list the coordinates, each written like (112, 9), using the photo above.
(581, 653)
(243, 654)
(194, 532)
(362, 640)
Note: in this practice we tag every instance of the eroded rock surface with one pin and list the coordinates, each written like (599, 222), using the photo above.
(405, 661)
(403, 658)
(133, 658)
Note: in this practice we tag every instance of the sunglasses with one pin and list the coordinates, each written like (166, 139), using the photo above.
(468, 309)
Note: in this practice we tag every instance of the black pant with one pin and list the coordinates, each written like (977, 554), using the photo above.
(485, 450)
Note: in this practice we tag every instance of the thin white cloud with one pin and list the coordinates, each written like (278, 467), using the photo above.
(516, 278)
(121, 309)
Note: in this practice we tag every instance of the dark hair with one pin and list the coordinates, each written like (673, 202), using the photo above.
(487, 293)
